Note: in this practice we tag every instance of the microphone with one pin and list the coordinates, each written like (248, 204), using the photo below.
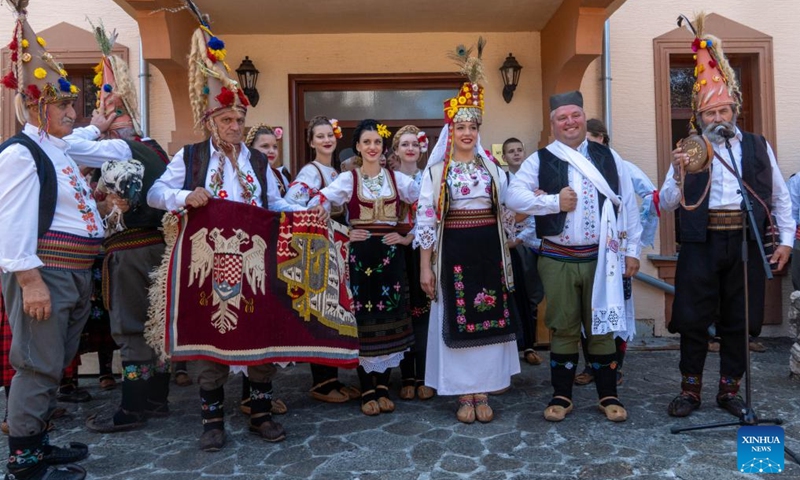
(724, 132)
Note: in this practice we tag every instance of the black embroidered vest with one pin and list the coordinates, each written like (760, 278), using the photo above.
(197, 156)
(554, 176)
(756, 171)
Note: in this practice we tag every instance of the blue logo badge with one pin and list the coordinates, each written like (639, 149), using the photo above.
(760, 450)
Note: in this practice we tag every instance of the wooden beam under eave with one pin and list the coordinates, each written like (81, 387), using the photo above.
(571, 41)
(166, 37)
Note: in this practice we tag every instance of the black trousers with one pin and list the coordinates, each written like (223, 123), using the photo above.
(709, 278)
(527, 296)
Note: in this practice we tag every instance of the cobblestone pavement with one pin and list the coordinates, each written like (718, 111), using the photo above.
(423, 440)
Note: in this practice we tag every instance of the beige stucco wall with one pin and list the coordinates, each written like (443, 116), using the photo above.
(633, 28)
(45, 14)
(278, 56)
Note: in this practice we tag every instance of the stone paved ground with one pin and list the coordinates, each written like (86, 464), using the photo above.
(423, 440)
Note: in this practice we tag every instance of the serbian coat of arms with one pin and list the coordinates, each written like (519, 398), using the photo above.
(243, 285)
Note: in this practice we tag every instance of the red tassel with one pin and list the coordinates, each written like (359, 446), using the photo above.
(243, 98)
(14, 56)
(657, 203)
(712, 63)
(10, 81)
(225, 97)
(33, 92)
(211, 56)
(13, 45)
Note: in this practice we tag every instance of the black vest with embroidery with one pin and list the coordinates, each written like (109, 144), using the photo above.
(197, 156)
(554, 176)
(756, 171)
(48, 183)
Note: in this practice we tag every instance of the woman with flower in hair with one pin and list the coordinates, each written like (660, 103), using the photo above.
(471, 343)
(408, 145)
(265, 139)
(322, 135)
(373, 196)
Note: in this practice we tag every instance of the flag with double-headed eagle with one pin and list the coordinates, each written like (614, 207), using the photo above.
(243, 285)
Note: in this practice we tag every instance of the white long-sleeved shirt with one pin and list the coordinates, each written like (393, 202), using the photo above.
(793, 184)
(167, 192)
(644, 189)
(340, 191)
(86, 150)
(724, 193)
(582, 225)
(76, 212)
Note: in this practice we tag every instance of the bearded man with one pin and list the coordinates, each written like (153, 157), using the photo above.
(710, 275)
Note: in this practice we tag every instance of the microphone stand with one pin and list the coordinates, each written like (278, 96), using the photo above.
(748, 417)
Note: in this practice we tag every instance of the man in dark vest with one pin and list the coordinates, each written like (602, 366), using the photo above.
(586, 215)
(709, 276)
(221, 167)
(46, 260)
(133, 249)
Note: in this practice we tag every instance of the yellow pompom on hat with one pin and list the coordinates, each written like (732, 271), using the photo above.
(116, 90)
(211, 88)
(715, 81)
(35, 75)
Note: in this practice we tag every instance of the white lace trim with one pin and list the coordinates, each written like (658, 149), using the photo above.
(425, 237)
(611, 320)
(381, 363)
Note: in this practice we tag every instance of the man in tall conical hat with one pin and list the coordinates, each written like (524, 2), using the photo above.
(221, 165)
(589, 224)
(116, 89)
(46, 265)
(709, 280)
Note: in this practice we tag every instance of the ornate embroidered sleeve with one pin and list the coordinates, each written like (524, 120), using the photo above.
(425, 237)
(509, 224)
(274, 200)
(425, 234)
(303, 187)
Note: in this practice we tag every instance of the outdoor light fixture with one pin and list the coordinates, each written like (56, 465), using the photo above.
(248, 76)
(510, 72)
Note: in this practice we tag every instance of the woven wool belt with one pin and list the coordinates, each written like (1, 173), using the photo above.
(64, 251)
(470, 218)
(725, 220)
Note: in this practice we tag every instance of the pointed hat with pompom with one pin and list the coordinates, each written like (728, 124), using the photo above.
(715, 83)
(35, 75)
(116, 91)
(211, 88)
